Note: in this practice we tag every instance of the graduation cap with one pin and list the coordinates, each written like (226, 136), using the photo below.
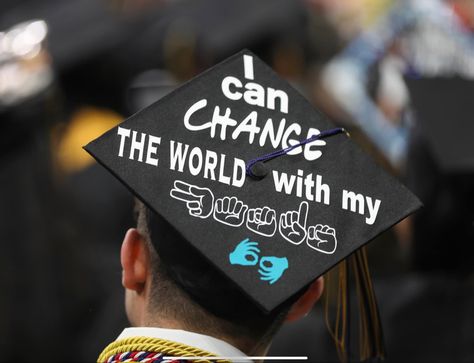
(443, 109)
(253, 177)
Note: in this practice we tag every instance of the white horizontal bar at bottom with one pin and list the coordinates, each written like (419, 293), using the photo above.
(239, 358)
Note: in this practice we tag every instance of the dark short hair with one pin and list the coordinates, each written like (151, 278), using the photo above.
(182, 270)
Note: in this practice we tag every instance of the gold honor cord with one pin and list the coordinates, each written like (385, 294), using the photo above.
(335, 282)
(370, 327)
(337, 297)
(155, 345)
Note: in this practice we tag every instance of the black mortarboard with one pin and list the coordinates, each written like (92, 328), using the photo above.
(185, 156)
(443, 110)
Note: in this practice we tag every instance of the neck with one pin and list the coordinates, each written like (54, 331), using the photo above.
(244, 344)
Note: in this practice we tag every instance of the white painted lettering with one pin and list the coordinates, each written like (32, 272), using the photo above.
(309, 183)
(299, 183)
(310, 153)
(210, 165)
(137, 145)
(222, 177)
(226, 83)
(196, 107)
(255, 94)
(272, 95)
(269, 132)
(248, 67)
(296, 128)
(151, 150)
(249, 124)
(282, 182)
(195, 154)
(356, 201)
(373, 208)
(177, 155)
(320, 189)
(238, 181)
(223, 120)
(124, 133)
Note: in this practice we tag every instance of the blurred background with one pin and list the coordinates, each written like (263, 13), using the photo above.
(398, 74)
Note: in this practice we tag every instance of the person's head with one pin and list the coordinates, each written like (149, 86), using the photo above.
(227, 242)
(169, 284)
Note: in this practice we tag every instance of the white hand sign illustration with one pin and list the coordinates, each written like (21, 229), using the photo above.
(230, 211)
(293, 224)
(322, 239)
(199, 201)
(262, 221)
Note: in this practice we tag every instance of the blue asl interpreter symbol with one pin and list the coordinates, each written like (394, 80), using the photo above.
(245, 254)
(272, 268)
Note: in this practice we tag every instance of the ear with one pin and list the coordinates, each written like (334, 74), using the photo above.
(305, 303)
(134, 257)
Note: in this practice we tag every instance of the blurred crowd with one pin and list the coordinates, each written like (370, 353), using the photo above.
(398, 74)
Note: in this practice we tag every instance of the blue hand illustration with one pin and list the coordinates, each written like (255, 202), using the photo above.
(245, 254)
(272, 268)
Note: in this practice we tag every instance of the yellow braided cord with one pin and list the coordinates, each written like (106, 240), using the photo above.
(155, 345)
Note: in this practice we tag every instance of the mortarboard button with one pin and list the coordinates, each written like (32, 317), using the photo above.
(322, 198)
(258, 170)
